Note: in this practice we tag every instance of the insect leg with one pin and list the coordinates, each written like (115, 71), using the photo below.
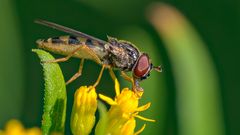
(63, 59)
(126, 77)
(99, 77)
(79, 73)
(113, 76)
(135, 84)
(136, 88)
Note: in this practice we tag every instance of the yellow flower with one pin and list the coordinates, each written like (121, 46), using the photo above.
(124, 109)
(129, 126)
(83, 111)
(14, 127)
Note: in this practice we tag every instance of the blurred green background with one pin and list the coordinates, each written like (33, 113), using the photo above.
(198, 92)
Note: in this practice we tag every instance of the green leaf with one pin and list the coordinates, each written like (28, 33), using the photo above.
(199, 106)
(12, 59)
(102, 123)
(55, 97)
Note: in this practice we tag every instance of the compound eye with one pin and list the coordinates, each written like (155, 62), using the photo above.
(142, 67)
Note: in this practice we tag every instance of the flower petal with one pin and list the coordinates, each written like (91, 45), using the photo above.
(145, 119)
(143, 108)
(140, 130)
(107, 99)
(128, 127)
(117, 87)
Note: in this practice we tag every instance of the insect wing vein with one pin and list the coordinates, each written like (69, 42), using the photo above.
(68, 30)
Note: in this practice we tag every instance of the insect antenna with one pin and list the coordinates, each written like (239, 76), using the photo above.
(157, 68)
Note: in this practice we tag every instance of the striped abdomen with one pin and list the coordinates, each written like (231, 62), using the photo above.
(65, 45)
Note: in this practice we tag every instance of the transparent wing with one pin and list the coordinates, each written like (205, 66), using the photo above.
(87, 53)
(68, 30)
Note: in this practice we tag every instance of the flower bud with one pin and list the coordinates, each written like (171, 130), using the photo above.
(83, 111)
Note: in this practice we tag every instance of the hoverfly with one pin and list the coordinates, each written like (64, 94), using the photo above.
(113, 54)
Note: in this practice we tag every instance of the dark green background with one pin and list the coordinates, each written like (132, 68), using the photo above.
(217, 22)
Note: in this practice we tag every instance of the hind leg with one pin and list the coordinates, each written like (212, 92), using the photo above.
(78, 74)
(64, 58)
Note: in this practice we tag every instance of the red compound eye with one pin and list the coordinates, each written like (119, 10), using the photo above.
(142, 67)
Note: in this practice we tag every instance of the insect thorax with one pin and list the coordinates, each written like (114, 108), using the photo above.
(121, 54)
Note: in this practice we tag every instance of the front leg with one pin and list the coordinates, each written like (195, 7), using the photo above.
(135, 84)
(126, 77)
